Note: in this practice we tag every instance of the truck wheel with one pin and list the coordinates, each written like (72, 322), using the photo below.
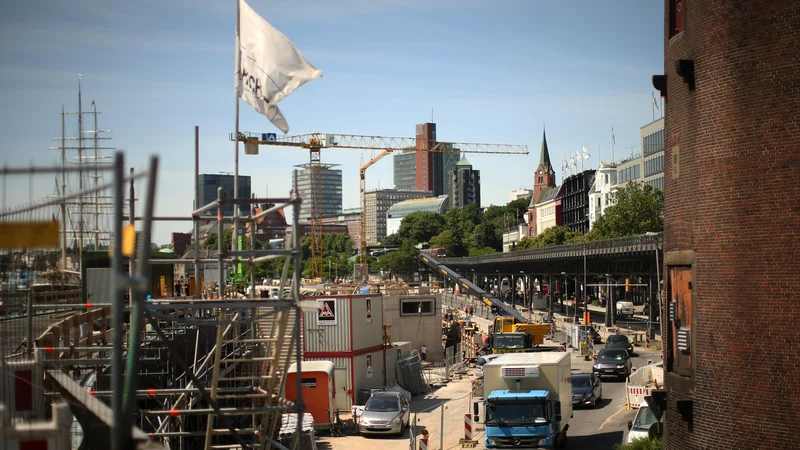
(563, 442)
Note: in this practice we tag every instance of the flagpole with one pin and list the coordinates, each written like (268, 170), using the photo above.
(238, 68)
(653, 106)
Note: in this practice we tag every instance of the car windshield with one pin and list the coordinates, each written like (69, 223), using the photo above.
(382, 404)
(644, 419)
(581, 381)
(515, 413)
(613, 355)
(618, 339)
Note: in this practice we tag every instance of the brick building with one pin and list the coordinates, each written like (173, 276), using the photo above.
(544, 179)
(732, 96)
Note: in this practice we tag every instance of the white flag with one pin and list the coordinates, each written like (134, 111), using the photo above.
(571, 161)
(654, 101)
(578, 155)
(586, 154)
(268, 66)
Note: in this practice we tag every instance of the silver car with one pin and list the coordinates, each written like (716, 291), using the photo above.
(385, 413)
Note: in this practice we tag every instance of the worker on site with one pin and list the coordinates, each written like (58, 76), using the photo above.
(423, 351)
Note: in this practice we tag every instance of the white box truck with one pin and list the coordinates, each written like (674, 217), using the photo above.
(527, 400)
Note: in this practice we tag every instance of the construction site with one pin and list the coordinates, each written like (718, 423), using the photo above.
(99, 352)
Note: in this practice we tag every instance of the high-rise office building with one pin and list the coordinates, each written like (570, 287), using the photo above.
(465, 185)
(405, 170)
(377, 205)
(433, 168)
(209, 182)
(328, 191)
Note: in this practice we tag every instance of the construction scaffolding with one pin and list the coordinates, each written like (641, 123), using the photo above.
(201, 373)
(52, 322)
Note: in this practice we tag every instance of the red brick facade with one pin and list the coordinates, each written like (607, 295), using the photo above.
(732, 223)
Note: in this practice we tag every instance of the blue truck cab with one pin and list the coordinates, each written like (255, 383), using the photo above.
(528, 419)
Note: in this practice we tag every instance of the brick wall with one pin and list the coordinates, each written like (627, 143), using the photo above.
(732, 202)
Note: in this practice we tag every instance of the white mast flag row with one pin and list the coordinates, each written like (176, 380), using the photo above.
(586, 154)
(268, 66)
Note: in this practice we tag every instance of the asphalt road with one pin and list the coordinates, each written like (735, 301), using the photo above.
(604, 426)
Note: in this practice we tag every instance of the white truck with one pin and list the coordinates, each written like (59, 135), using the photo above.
(527, 400)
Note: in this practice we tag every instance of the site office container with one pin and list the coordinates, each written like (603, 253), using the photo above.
(348, 331)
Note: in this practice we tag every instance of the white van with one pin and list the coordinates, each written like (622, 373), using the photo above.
(640, 426)
(505, 286)
(625, 309)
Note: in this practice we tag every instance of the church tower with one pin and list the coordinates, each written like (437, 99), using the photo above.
(544, 177)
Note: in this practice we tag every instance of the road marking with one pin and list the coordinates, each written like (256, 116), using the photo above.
(621, 409)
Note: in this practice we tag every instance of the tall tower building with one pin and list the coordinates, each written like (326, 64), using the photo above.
(731, 86)
(544, 177)
(433, 168)
(209, 182)
(465, 185)
(329, 185)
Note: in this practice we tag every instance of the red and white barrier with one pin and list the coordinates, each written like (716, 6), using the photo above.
(423, 444)
(41, 435)
(21, 385)
(642, 382)
(468, 427)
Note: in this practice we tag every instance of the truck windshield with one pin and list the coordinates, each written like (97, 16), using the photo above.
(506, 341)
(515, 413)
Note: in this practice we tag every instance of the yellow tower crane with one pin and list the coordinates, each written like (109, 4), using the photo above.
(315, 142)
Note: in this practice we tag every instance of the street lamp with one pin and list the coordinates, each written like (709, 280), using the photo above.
(650, 331)
(566, 290)
(609, 302)
(585, 288)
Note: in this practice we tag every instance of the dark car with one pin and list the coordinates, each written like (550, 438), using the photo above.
(587, 389)
(612, 362)
(620, 341)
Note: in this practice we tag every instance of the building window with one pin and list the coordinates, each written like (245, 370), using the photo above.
(417, 306)
(676, 17)
(606, 178)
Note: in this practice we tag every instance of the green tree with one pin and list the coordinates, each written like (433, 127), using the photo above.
(487, 234)
(211, 242)
(552, 236)
(392, 240)
(451, 241)
(637, 208)
(402, 261)
(421, 226)
(482, 251)
(518, 208)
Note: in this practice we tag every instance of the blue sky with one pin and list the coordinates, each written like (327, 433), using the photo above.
(493, 71)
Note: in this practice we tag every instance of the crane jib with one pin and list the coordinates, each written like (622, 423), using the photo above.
(472, 288)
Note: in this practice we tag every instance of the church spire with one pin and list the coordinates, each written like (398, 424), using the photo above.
(544, 157)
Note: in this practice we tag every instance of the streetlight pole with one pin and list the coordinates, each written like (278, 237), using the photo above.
(609, 302)
(585, 287)
(566, 291)
(650, 330)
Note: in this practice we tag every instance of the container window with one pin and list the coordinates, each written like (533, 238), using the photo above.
(416, 307)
